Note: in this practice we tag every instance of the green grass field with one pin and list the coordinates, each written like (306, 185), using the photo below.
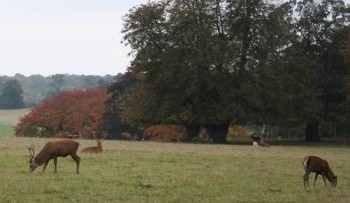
(171, 172)
(9, 119)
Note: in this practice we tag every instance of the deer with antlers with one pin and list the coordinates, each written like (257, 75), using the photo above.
(52, 150)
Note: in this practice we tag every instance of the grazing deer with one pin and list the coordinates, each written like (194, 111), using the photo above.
(319, 166)
(52, 150)
(94, 149)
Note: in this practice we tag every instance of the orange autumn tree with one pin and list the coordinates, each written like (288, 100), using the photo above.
(77, 112)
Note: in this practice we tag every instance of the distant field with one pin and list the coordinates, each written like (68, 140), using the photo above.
(9, 119)
(171, 172)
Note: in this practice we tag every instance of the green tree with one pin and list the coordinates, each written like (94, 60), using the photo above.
(215, 62)
(112, 121)
(180, 82)
(195, 58)
(11, 95)
(346, 104)
(321, 27)
(57, 83)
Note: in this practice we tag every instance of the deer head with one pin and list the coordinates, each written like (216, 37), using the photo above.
(334, 181)
(32, 164)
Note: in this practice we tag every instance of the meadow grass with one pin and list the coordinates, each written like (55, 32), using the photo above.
(6, 130)
(171, 172)
(12, 116)
(9, 119)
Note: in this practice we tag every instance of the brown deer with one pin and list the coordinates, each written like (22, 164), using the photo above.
(94, 149)
(319, 166)
(52, 150)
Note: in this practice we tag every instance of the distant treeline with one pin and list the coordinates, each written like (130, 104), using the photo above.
(35, 88)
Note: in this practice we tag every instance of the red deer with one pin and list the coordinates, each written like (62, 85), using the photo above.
(94, 149)
(52, 150)
(319, 166)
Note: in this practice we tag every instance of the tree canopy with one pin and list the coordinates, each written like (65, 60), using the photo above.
(77, 112)
(37, 88)
(11, 95)
(215, 62)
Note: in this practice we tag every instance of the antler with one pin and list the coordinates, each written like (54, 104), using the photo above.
(31, 148)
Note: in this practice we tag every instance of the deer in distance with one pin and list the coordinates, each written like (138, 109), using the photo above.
(52, 150)
(93, 149)
(319, 166)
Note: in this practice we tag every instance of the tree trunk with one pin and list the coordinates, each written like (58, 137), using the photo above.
(192, 131)
(312, 132)
(217, 132)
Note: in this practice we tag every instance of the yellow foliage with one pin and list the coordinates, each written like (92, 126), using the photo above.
(236, 132)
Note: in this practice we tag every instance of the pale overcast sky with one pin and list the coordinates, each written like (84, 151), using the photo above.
(63, 36)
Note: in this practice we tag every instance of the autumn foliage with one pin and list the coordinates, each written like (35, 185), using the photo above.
(165, 133)
(76, 112)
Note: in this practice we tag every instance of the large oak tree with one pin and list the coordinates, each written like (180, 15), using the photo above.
(215, 62)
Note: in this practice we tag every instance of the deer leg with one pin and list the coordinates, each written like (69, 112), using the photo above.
(77, 160)
(55, 161)
(306, 179)
(46, 162)
(324, 180)
(315, 179)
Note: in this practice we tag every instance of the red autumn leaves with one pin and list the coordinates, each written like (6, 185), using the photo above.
(76, 112)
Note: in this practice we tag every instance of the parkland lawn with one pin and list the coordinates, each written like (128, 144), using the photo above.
(171, 172)
(9, 119)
